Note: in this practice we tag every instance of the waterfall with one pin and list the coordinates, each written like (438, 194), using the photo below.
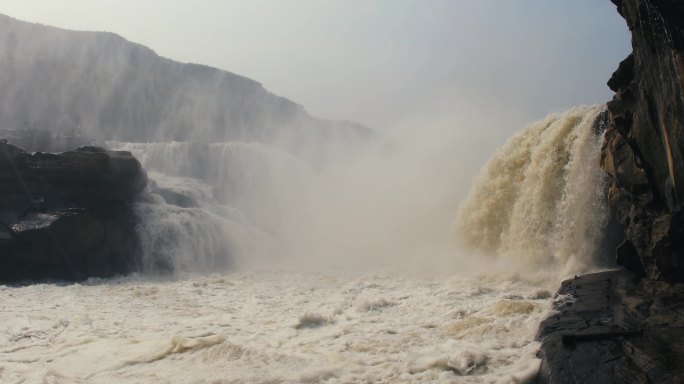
(210, 206)
(541, 197)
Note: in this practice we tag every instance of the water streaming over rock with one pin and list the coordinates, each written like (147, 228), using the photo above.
(211, 206)
(541, 197)
(215, 207)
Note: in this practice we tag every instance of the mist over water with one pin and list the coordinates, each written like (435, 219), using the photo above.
(380, 204)
(242, 176)
(395, 201)
(541, 199)
(375, 265)
(282, 248)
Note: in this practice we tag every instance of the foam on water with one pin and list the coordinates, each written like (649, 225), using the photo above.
(538, 205)
(272, 326)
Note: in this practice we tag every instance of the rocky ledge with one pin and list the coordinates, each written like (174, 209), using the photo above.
(68, 215)
(613, 327)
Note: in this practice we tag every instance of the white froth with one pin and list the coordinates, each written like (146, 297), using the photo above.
(272, 327)
(537, 204)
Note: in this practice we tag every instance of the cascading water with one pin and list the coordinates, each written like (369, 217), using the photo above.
(213, 205)
(541, 198)
(212, 208)
(321, 252)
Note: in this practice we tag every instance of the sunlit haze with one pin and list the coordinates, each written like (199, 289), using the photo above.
(384, 62)
(311, 191)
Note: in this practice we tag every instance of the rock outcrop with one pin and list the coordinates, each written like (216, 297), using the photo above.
(68, 215)
(644, 142)
(610, 327)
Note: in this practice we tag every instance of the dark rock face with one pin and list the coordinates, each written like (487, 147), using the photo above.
(644, 141)
(68, 215)
(611, 327)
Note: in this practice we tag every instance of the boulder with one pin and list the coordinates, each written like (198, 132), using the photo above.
(68, 215)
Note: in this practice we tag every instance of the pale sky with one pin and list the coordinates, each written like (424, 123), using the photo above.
(496, 64)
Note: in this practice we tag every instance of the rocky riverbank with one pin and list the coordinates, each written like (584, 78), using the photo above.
(613, 327)
(68, 215)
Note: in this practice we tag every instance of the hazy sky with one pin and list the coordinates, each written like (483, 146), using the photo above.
(380, 62)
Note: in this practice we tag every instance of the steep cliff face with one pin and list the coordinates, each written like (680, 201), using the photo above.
(644, 142)
(107, 88)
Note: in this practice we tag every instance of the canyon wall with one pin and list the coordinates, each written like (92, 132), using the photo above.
(642, 152)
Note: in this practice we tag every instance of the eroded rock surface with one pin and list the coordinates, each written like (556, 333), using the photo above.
(644, 141)
(613, 327)
(68, 215)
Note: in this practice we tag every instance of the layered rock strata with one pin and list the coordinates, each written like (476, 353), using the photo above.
(644, 141)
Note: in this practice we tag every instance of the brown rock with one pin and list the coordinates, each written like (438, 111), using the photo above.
(644, 141)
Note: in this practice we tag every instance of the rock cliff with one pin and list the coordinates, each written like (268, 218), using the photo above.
(68, 215)
(107, 88)
(617, 326)
(644, 142)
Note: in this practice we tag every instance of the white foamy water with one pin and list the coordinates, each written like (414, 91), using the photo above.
(272, 327)
(251, 233)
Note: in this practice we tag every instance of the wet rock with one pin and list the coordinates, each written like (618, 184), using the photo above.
(68, 215)
(628, 326)
(613, 327)
(628, 257)
(643, 147)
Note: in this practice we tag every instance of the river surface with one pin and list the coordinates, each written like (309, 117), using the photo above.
(273, 326)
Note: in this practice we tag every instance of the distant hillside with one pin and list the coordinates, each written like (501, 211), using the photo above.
(103, 86)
